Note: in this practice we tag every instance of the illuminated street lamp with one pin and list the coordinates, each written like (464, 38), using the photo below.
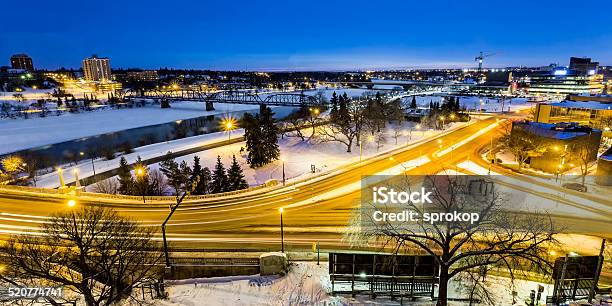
(281, 210)
(140, 173)
(71, 203)
(228, 125)
(442, 119)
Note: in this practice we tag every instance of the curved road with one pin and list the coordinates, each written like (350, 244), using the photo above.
(314, 210)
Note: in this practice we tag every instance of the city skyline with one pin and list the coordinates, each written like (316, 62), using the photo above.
(312, 36)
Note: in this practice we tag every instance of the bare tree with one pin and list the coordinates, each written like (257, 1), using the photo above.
(158, 182)
(516, 242)
(583, 151)
(108, 186)
(346, 123)
(523, 144)
(91, 252)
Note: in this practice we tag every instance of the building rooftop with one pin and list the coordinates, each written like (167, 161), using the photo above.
(561, 131)
(583, 104)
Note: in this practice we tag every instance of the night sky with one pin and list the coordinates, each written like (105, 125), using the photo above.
(306, 35)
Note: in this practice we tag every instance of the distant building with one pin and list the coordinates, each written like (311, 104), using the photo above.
(590, 113)
(22, 61)
(580, 78)
(143, 76)
(583, 65)
(97, 69)
(496, 82)
(559, 140)
(106, 86)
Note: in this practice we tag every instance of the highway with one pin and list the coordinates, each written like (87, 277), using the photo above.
(315, 210)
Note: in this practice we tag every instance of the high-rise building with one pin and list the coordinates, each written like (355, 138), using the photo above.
(583, 65)
(97, 69)
(22, 61)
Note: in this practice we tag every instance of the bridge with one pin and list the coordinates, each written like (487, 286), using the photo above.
(227, 96)
(405, 84)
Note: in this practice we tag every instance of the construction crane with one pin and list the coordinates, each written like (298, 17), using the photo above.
(481, 57)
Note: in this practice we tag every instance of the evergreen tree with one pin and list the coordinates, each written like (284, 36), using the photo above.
(254, 140)
(206, 180)
(334, 106)
(261, 134)
(179, 176)
(235, 176)
(270, 134)
(126, 182)
(196, 176)
(219, 178)
(141, 183)
(413, 104)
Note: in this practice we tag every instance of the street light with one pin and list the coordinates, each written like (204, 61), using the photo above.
(71, 203)
(442, 118)
(140, 173)
(281, 210)
(228, 124)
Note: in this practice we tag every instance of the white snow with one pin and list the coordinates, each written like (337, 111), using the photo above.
(299, 156)
(472, 103)
(309, 284)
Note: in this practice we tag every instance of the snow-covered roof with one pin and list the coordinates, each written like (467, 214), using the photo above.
(584, 104)
(555, 131)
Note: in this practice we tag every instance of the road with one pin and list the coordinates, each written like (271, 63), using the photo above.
(314, 210)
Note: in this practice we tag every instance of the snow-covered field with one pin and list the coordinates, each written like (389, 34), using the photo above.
(309, 284)
(298, 156)
(472, 103)
(19, 134)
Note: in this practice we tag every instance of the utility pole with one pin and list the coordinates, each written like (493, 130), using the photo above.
(172, 210)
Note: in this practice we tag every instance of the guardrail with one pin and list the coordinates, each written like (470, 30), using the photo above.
(61, 191)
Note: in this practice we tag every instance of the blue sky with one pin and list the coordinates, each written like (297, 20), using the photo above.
(306, 35)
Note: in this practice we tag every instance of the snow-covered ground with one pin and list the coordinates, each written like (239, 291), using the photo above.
(571, 175)
(542, 199)
(298, 156)
(472, 103)
(309, 284)
(19, 134)
(85, 168)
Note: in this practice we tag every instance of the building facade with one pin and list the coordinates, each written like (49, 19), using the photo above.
(22, 61)
(604, 169)
(583, 65)
(97, 69)
(558, 142)
(581, 77)
(590, 113)
(143, 76)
